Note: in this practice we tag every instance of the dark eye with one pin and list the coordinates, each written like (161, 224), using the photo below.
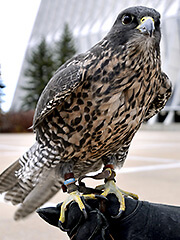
(126, 19)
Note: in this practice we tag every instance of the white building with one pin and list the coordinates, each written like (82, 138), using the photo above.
(90, 20)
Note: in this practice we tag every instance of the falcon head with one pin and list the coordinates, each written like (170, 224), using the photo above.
(136, 24)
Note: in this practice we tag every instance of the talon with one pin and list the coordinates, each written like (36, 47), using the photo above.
(110, 187)
(130, 194)
(84, 213)
(62, 228)
(118, 215)
(73, 196)
(101, 197)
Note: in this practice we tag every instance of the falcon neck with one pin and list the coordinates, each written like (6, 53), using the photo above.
(140, 44)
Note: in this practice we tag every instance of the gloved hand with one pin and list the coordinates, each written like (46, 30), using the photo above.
(140, 221)
(77, 227)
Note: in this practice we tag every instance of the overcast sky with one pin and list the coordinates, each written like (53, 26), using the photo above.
(16, 21)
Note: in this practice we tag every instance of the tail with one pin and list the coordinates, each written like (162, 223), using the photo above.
(8, 179)
(31, 193)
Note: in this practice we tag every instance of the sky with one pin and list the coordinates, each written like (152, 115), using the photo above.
(16, 22)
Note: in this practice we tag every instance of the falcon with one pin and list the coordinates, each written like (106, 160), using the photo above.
(89, 112)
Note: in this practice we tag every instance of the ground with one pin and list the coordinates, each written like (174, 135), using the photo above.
(152, 170)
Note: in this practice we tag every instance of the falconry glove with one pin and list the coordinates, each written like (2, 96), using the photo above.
(140, 221)
(76, 226)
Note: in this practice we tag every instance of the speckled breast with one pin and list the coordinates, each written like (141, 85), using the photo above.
(107, 108)
(100, 116)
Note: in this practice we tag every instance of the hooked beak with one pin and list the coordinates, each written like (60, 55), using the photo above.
(146, 26)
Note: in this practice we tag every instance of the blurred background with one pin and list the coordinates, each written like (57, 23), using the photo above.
(37, 36)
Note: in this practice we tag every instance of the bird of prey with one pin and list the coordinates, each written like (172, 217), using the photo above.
(89, 112)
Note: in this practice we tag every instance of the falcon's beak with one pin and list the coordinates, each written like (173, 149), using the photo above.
(146, 25)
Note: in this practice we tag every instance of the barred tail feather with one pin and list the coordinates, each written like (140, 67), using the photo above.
(8, 179)
(11, 182)
(16, 195)
(30, 182)
(40, 194)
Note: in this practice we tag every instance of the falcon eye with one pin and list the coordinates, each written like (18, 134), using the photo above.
(127, 19)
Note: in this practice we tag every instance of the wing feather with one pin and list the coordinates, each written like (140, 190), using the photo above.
(59, 87)
(162, 97)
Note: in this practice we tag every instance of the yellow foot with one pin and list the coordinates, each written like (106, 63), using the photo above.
(73, 196)
(110, 187)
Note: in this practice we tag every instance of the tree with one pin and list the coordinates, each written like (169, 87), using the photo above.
(64, 48)
(40, 69)
(43, 62)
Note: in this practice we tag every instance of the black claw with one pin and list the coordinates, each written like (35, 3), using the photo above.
(62, 228)
(84, 213)
(118, 215)
(101, 197)
(84, 210)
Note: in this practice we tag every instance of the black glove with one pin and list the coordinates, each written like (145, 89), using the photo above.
(140, 221)
(95, 227)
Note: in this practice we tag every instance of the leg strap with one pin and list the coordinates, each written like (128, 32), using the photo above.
(69, 183)
(108, 166)
(108, 173)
